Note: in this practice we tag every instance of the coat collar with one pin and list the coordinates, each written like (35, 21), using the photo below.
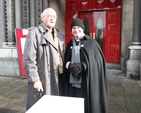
(86, 37)
(46, 35)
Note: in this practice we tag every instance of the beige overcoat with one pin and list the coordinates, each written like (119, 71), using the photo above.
(40, 62)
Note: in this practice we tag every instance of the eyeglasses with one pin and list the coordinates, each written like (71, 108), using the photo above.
(51, 16)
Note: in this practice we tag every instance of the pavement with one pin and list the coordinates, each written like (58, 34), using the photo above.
(13, 92)
(124, 94)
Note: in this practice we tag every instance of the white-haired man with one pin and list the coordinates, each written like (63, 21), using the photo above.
(43, 57)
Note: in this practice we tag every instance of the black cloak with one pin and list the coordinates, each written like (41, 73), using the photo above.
(96, 99)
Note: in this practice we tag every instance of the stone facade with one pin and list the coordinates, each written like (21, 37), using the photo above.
(59, 6)
(9, 63)
(126, 30)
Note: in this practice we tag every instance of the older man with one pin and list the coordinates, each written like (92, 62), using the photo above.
(85, 70)
(43, 56)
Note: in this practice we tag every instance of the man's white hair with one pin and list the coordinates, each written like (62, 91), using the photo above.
(44, 12)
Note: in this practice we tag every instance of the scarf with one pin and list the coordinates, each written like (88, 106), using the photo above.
(75, 58)
(53, 34)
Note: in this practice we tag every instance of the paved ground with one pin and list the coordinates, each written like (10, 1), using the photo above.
(124, 94)
(12, 95)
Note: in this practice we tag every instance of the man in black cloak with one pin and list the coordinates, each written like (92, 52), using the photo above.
(85, 73)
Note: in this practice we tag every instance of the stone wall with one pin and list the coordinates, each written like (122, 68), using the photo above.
(126, 29)
(9, 63)
(59, 6)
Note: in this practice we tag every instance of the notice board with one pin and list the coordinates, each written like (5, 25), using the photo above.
(20, 41)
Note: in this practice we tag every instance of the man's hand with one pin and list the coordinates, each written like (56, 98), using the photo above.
(76, 68)
(67, 65)
(38, 86)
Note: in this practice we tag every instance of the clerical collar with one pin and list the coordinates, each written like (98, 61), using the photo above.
(77, 42)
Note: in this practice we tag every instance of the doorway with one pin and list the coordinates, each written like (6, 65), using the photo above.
(104, 26)
(95, 24)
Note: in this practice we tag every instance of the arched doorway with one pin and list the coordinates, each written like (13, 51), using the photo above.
(103, 22)
(104, 26)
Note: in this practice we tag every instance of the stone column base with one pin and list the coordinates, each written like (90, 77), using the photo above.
(133, 63)
(132, 68)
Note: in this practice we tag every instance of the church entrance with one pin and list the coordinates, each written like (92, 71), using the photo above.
(104, 27)
(102, 24)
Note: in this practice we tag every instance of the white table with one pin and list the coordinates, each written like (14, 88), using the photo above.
(58, 104)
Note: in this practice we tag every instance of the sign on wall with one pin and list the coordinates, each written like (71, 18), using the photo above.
(20, 41)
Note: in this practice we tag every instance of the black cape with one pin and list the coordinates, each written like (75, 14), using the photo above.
(96, 76)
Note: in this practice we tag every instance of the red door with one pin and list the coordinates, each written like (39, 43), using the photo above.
(96, 23)
(104, 23)
(112, 39)
(91, 24)
(105, 28)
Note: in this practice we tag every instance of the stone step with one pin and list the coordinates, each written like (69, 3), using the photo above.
(114, 72)
(114, 69)
(113, 66)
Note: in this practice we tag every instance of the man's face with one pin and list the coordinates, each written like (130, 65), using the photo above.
(50, 18)
(77, 32)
